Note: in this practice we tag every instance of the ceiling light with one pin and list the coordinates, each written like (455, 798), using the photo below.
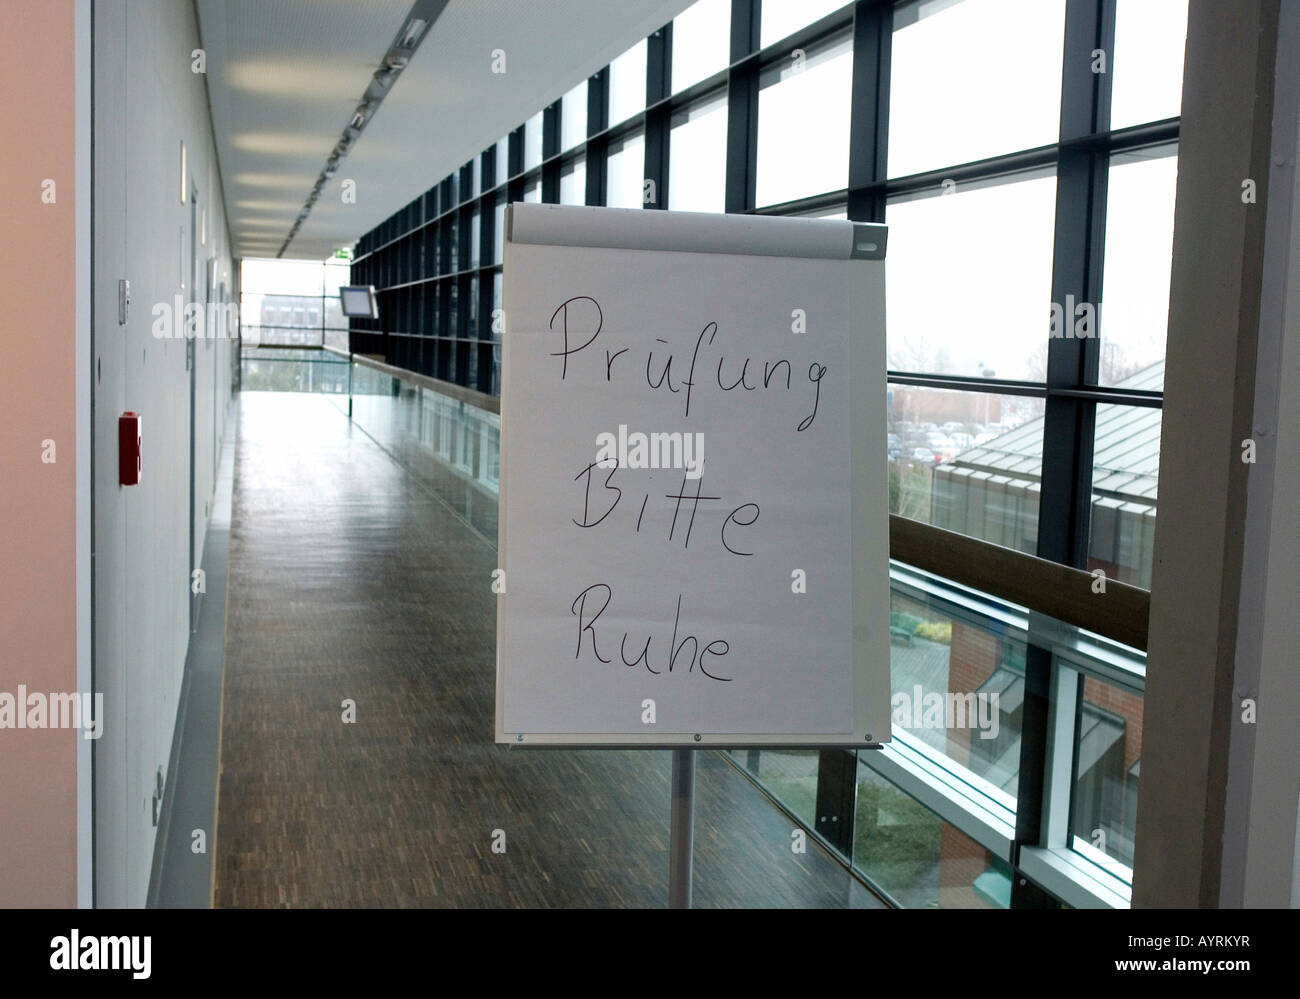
(412, 32)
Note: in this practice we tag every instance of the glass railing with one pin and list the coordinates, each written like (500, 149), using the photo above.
(289, 369)
(450, 445)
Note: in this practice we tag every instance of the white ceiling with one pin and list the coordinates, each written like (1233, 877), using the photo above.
(284, 77)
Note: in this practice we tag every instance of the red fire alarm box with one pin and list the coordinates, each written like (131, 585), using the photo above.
(128, 449)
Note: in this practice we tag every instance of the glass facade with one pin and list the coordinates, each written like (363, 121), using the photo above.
(1030, 216)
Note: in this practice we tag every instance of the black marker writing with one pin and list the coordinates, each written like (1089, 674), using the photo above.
(576, 321)
(564, 307)
(717, 647)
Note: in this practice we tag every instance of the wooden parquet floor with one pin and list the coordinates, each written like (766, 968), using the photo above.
(351, 579)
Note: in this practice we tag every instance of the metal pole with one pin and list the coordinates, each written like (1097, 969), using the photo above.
(349, 384)
(681, 832)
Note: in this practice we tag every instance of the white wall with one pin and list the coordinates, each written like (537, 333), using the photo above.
(146, 102)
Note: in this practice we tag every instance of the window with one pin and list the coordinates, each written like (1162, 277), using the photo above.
(1007, 55)
(701, 42)
(969, 462)
(697, 158)
(803, 124)
(470, 284)
(573, 182)
(969, 279)
(624, 173)
(958, 689)
(533, 142)
(784, 17)
(1107, 765)
(1147, 84)
(573, 117)
(503, 159)
(1139, 257)
(451, 300)
(451, 249)
(499, 231)
(627, 84)
(1125, 471)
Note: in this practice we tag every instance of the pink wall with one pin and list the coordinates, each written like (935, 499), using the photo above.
(38, 807)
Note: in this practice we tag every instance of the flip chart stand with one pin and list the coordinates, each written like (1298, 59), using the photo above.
(681, 829)
(566, 274)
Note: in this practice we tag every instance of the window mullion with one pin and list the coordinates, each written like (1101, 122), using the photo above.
(742, 106)
(873, 26)
(659, 74)
(1068, 421)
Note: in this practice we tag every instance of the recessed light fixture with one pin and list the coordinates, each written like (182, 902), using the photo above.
(412, 32)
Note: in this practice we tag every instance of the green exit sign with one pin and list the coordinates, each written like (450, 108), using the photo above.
(342, 253)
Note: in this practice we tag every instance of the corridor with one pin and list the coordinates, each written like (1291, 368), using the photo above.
(351, 578)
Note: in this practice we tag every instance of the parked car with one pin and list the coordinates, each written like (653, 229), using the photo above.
(923, 454)
(895, 446)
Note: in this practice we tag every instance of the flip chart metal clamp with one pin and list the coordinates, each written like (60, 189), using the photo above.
(869, 240)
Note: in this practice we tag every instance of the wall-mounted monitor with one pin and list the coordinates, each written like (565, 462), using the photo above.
(359, 301)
